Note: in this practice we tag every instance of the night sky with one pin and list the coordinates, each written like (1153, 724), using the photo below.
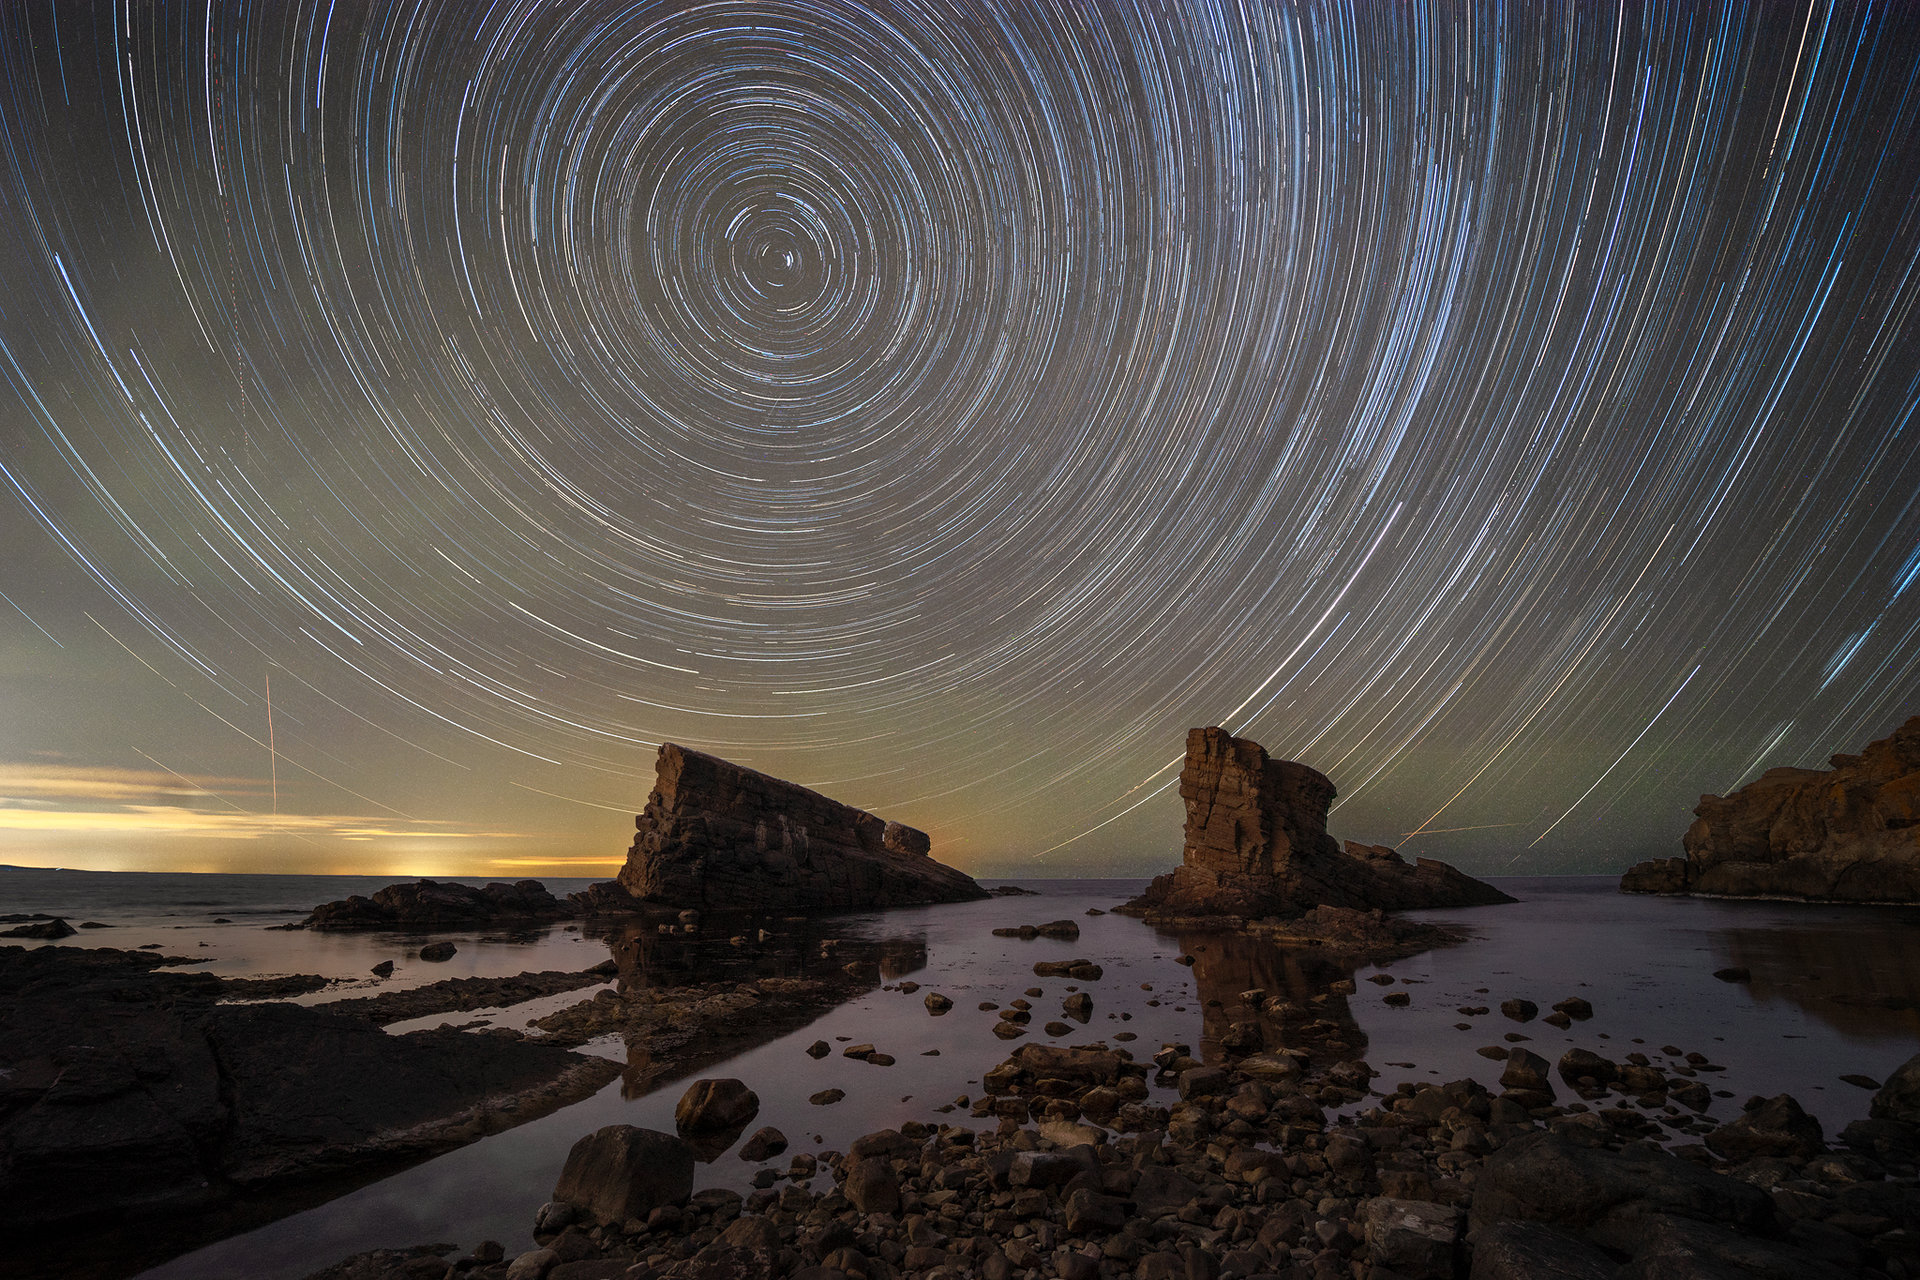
(411, 414)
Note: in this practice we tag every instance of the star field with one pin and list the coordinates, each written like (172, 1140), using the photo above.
(1507, 410)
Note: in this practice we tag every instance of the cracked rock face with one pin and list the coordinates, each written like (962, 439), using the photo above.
(1257, 845)
(1846, 834)
(720, 836)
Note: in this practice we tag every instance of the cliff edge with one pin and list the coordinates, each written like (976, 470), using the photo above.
(724, 837)
(1850, 833)
(1257, 845)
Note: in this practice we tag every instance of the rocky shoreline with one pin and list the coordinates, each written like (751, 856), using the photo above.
(144, 1109)
(1077, 1174)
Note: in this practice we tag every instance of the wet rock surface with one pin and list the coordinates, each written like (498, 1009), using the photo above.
(1257, 846)
(126, 1091)
(715, 834)
(1850, 833)
(454, 995)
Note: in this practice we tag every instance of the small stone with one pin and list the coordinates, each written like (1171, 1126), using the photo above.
(827, 1097)
(1520, 1010)
(441, 951)
(383, 970)
(1734, 973)
(1398, 999)
(937, 1004)
(819, 1049)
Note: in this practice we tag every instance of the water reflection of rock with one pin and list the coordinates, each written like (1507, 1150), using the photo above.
(1860, 978)
(1302, 1005)
(688, 999)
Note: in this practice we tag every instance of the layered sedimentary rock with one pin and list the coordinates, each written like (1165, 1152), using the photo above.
(1846, 834)
(1257, 845)
(720, 836)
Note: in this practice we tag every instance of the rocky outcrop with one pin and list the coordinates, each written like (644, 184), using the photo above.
(1846, 834)
(430, 904)
(126, 1090)
(1257, 845)
(720, 836)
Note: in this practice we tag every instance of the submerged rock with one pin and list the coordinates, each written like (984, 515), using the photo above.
(715, 834)
(1257, 845)
(1850, 833)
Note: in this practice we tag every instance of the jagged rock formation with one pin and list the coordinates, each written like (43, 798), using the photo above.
(1846, 834)
(1257, 845)
(719, 836)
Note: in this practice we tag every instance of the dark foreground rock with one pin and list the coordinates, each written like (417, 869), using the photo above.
(716, 835)
(1850, 833)
(1257, 845)
(430, 904)
(126, 1092)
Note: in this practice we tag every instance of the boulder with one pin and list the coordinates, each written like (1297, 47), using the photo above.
(766, 1143)
(1257, 845)
(621, 1172)
(1899, 1098)
(1527, 1072)
(1777, 1127)
(872, 1187)
(715, 834)
(715, 1106)
(1416, 1238)
(1544, 1177)
(1515, 1250)
(1848, 833)
(1162, 1190)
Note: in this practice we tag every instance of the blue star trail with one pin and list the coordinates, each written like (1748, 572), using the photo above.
(1508, 410)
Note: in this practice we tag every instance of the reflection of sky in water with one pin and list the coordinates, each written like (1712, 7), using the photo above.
(1646, 964)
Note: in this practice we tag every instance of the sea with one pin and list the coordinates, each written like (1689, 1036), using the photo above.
(1828, 992)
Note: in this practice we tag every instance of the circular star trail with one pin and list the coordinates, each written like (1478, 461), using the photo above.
(1510, 412)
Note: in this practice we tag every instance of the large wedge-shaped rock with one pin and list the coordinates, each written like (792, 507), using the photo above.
(720, 836)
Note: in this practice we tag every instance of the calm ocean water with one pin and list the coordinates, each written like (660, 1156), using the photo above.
(1834, 990)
